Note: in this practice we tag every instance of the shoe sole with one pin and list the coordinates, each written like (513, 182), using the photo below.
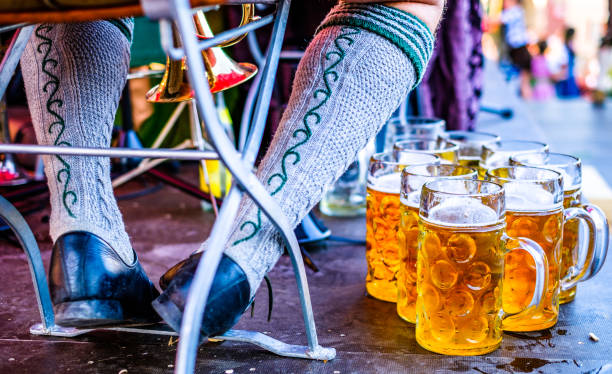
(94, 313)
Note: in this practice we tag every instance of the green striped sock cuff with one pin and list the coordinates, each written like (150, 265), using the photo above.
(125, 25)
(403, 29)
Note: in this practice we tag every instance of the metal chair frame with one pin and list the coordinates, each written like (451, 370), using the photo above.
(239, 162)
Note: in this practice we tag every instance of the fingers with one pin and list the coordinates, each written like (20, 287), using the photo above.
(428, 11)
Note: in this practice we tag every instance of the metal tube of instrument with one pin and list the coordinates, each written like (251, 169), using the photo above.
(178, 53)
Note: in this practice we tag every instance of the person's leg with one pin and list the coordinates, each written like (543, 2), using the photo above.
(361, 64)
(525, 84)
(74, 75)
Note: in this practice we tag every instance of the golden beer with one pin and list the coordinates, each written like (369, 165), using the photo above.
(459, 294)
(407, 280)
(569, 248)
(473, 163)
(498, 154)
(545, 228)
(470, 162)
(462, 249)
(470, 145)
(382, 249)
(447, 151)
(577, 263)
(534, 210)
(383, 218)
(413, 179)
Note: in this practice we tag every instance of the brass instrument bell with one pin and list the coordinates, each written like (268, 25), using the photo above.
(223, 72)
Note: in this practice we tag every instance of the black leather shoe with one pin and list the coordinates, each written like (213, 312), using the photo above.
(91, 286)
(227, 301)
(165, 279)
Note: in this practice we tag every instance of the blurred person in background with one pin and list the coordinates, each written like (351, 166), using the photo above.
(515, 36)
(604, 81)
(543, 88)
(567, 87)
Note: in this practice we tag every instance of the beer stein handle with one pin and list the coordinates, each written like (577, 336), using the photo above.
(586, 253)
(541, 264)
(602, 239)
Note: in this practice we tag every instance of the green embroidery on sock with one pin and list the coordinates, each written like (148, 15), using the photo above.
(311, 118)
(415, 52)
(255, 225)
(401, 28)
(51, 87)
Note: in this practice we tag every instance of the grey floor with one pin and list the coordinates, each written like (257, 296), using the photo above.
(576, 127)
(571, 126)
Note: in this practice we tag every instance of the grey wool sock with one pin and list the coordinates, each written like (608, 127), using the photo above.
(74, 75)
(359, 67)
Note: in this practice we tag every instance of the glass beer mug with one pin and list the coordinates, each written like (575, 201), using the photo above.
(383, 217)
(534, 209)
(470, 145)
(571, 169)
(462, 248)
(412, 127)
(446, 150)
(498, 154)
(413, 178)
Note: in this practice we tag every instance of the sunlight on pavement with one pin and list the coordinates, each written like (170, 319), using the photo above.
(596, 190)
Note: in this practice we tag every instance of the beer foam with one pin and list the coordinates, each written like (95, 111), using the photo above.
(568, 182)
(412, 200)
(390, 183)
(462, 212)
(528, 197)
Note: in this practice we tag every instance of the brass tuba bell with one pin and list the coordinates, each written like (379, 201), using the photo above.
(223, 72)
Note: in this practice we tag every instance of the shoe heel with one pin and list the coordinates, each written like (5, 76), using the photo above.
(88, 313)
(168, 311)
(171, 314)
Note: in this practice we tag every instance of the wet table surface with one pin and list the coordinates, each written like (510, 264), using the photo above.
(367, 334)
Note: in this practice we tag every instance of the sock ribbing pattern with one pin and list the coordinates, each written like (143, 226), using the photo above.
(404, 30)
(351, 79)
(74, 75)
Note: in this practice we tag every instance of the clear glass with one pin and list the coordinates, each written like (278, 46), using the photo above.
(383, 217)
(571, 169)
(534, 209)
(498, 154)
(470, 145)
(446, 150)
(412, 127)
(462, 248)
(413, 178)
(346, 198)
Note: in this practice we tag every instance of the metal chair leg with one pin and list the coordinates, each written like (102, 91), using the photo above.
(239, 165)
(11, 216)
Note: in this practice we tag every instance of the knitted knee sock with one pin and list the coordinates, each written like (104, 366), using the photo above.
(355, 73)
(74, 75)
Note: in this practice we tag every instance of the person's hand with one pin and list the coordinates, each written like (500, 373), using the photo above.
(428, 11)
